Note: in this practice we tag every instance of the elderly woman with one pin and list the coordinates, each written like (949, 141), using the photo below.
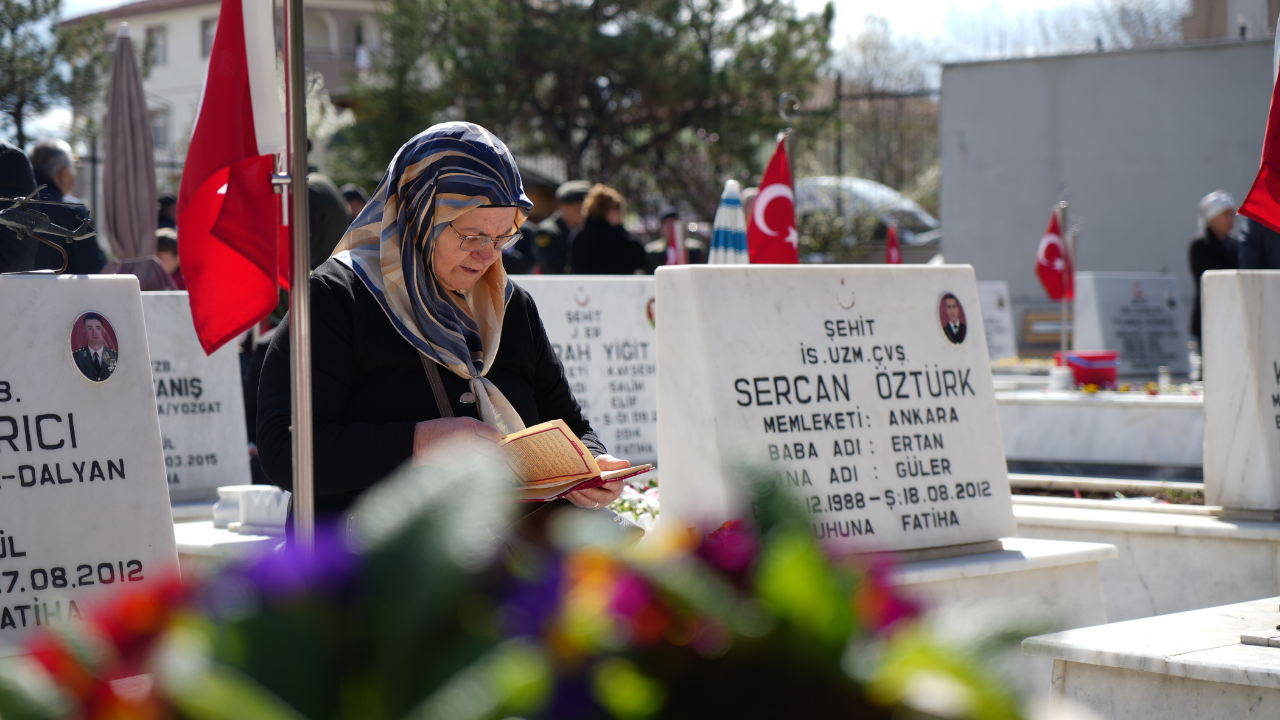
(1215, 248)
(418, 339)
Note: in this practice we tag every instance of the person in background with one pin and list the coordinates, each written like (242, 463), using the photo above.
(167, 217)
(167, 254)
(602, 246)
(518, 258)
(551, 244)
(1215, 248)
(55, 169)
(356, 198)
(1260, 247)
(16, 180)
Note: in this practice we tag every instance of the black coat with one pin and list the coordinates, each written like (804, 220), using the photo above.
(84, 256)
(1209, 252)
(600, 248)
(370, 390)
(16, 180)
(1260, 248)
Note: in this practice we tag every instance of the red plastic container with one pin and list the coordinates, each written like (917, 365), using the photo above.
(1096, 367)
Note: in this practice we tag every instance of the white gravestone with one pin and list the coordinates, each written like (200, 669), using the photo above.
(602, 330)
(997, 319)
(1242, 392)
(85, 504)
(1138, 315)
(844, 383)
(199, 400)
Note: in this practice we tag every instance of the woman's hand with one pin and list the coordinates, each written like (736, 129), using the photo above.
(598, 497)
(463, 433)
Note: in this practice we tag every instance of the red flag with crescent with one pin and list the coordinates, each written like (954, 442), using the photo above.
(1053, 263)
(771, 229)
(892, 254)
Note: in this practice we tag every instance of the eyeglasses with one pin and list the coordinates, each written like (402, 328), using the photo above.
(476, 243)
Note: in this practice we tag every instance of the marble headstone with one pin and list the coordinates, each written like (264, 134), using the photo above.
(199, 400)
(1242, 392)
(997, 319)
(86, 506)
(602, 328)
(1137, 314)
(842, 383)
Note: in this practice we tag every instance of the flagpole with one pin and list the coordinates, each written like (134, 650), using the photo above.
(299, 296)
(1066, 268)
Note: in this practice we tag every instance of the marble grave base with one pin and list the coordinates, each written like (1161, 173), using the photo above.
(1172, 558)
(1186, 665)
(1128, 429)
(1050, 581)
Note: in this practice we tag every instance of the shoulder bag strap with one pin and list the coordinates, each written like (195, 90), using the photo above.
(437, 386)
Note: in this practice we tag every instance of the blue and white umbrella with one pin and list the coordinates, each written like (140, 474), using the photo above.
(729, 232)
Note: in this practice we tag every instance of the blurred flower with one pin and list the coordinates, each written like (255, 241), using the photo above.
(291, 572)
(880, 605)
(731, 547)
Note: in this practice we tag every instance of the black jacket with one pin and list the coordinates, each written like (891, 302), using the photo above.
(370, 389)
(1209, 252)
(16, 180)
(84, 256)
(1260, 248)
(599, 248)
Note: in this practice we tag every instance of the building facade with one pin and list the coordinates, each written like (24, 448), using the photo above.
(340, 40)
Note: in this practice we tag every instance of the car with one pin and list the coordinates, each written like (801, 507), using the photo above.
(856, 196)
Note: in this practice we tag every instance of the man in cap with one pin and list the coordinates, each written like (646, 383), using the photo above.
(551, 245)
(356, 198)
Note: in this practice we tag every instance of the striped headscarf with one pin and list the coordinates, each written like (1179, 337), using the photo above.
(444, 172)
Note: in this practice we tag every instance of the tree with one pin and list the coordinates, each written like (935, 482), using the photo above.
(27, 56)
(653, 96)
(43, 63)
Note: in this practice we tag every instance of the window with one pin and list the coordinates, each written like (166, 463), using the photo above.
(160, 128)
(158, 41)
(208, 28)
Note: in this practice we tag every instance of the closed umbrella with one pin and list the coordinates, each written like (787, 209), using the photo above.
(729, 232)
(129, 172)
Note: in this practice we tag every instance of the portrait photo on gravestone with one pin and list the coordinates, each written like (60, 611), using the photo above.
(951, 314)
(95, 349)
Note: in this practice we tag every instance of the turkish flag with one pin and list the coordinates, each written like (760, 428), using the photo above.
(1053, 263)
(1263, 201)
(771, 229)
(229, 217)
(892, 255)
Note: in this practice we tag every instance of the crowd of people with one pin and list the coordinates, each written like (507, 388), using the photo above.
(585, 234)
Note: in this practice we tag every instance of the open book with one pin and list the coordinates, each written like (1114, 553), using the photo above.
(549, 461)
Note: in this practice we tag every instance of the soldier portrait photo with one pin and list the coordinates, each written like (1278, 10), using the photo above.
(94, 347)
(951, 315)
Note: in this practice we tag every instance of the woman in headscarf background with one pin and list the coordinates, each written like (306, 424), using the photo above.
(1215, 248)
(417, 283)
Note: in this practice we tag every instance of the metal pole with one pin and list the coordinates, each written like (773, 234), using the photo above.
(304, 520)
(93, 172)
(1062, 225)
(839, 142)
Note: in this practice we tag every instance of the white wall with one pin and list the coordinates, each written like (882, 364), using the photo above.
(1138, 137)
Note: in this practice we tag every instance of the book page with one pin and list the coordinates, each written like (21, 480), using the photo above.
(548, 454)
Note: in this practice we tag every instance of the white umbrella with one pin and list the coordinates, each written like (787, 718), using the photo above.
(729, 232)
